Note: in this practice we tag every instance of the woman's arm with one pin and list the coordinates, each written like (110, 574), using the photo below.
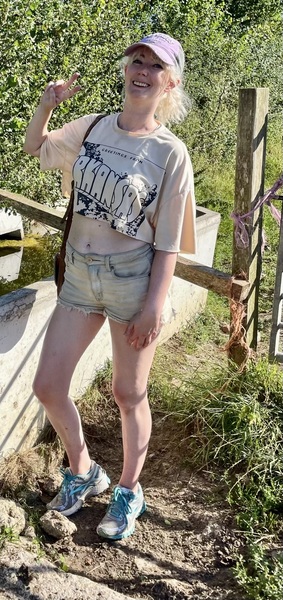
(54, 94)
(146, 325)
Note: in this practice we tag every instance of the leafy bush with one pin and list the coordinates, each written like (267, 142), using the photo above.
(44, 40)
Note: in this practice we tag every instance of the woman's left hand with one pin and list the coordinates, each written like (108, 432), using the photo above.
(143, 329)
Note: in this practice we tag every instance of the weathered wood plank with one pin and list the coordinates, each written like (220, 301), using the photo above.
(211, 279)
(249, 187)
(33, 210)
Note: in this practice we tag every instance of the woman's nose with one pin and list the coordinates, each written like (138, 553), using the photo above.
(143, 69)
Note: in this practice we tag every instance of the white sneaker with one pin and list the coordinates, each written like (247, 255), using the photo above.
(124, 508)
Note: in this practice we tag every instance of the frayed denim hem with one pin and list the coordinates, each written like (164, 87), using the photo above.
(85, 311)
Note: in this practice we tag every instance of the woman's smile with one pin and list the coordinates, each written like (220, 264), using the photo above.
(141, 84)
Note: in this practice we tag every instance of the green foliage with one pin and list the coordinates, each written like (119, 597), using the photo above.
(260, 575)
(7, 535)
(246, 12)
(44, 40)
(62, 564)
(219, 62)
(229, 417)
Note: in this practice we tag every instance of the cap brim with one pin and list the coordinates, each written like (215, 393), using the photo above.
(158, 51)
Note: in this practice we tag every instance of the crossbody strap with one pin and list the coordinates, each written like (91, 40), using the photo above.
(68, 216)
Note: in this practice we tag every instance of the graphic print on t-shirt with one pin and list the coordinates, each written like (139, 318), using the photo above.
(105, 192)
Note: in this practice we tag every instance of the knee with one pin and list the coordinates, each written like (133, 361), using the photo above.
(127, 397)
(43, 389)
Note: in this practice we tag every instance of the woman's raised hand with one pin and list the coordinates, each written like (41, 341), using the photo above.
(58, 91)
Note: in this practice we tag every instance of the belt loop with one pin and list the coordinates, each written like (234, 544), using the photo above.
(107, 262)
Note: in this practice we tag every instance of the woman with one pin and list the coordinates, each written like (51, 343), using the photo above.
(133, 211)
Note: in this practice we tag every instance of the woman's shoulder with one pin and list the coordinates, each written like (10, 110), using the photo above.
(171, 138)
(79, 125)
(73, 132)
(177, 149)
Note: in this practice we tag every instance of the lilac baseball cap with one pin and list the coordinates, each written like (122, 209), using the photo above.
(165, 47)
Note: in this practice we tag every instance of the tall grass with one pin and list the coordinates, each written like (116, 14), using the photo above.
(231, 423)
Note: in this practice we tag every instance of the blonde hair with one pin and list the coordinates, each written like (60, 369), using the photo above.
(174, 104)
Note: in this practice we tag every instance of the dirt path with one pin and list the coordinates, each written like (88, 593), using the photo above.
(183, 545)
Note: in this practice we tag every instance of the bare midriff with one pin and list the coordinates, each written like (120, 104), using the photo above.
(89, 235)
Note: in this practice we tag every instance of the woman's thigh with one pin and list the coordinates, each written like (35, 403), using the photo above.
(68, 335)
(131, 367)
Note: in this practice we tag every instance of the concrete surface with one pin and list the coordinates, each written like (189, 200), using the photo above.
(25, 576)
(11, 225)
(10, 265)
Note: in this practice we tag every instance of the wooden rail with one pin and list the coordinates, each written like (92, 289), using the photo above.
(33, 210)
(206, 277)
(212, 279)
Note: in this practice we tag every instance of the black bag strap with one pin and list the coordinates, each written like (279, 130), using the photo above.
(68, 216)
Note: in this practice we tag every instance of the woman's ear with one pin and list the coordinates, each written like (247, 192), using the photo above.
(171, 85)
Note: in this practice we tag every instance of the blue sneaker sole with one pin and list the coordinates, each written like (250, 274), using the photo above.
(124, 534)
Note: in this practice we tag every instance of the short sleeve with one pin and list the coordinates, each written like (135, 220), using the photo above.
(175, 218)
(61, 147)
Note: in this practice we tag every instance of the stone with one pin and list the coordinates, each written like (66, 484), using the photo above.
(12, 515)
(51, 484)
(57, 525)
(30, 533)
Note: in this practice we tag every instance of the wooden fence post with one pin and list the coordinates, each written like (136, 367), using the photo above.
(249, 187)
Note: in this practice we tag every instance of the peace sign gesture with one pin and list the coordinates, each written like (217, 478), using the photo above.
(58, 91)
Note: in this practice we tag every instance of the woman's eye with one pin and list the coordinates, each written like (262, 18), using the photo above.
(137, 61)
(157, 66)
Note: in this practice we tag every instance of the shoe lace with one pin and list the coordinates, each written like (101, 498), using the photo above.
(68, 482)
(119, 504)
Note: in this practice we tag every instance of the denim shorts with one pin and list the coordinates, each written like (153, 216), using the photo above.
(113, 285)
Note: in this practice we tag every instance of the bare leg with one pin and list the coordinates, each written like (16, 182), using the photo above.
(130, 375)
(68, 335)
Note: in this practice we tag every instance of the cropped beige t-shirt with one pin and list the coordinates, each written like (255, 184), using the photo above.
(141, 185)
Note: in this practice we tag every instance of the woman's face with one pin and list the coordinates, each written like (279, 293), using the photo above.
(146, 76)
